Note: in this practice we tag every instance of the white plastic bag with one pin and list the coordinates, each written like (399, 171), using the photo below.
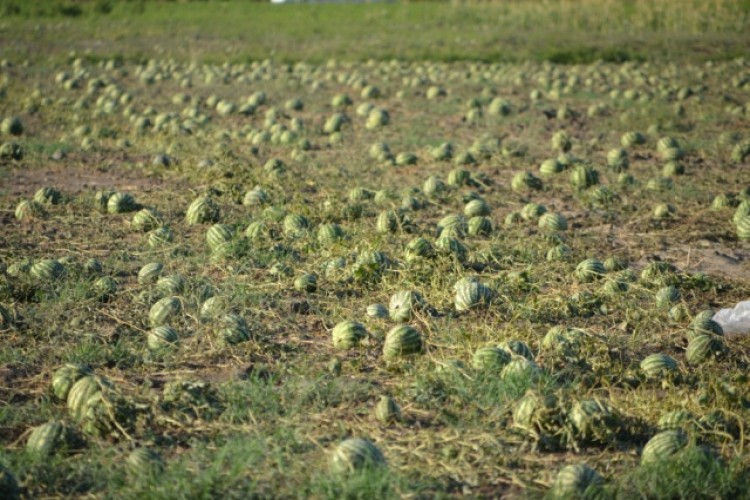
(736, 320)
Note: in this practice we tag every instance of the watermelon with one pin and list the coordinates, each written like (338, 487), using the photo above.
(402, 340)
(348, 334)
(164, 310)
(387, 410)
(355, 454)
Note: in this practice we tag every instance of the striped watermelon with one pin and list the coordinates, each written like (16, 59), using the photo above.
(359, 193)
(306, 283)
(403, 304)
(722, 201)
(380, 151)
(355, 454)
(704, 323)
(553, 222)
(372, 261)
(633, 138)
(410, 203)
(64, 378)
(160, 237)
(561, 141)
(450, 246)
(213, 307)
(402, 340)
(591, 418)
(256, 230)
(675, 420)
(218, 236)
(667, 296)
(665, 143)
(377, 311)
(490, 358)
(513, 218)
(387, 410)
(532, 211)
(612, 264)
(330, 233)
(615, 287)
(657, 272)
(202, 210)
(163, 310)
(419, 248)
(617, 159)
(92, 266)
(517, 348)
(672, 154)
(476, 208)
(458, 177)
(48, 270)
(550, 167)
(519, 369)
(558, 252)
(146, 219)
(101, 198)
(452, 221)
(662, 446)
(564, 340)
(658, 364)
(255, 197)
(472, 295)
(673, 169)
(171, 284)
(81, 392)
(105, 287)
(742, 211)
(120, 203)
(589, 270)
(162, 336)
(150, 273)
(47, 438)
(703, 346)
(48, 196)
(233, 329)
(480, 226)
(274, 166)
(433, 185)
(295, 224)
(525, 180)
(583, 177)
(743, 227)
(406, 158)
(679, 313)
(576, 481)
(28, 209)
(534, 410)
(347, 334)
(526, 409)
(660, 184)
(387, 222)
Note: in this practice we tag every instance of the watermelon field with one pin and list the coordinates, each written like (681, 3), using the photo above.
(389, 250)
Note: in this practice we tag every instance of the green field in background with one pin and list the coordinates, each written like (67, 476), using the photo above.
(562, 32)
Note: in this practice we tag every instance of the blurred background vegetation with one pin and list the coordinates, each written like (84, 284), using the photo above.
(560, 31)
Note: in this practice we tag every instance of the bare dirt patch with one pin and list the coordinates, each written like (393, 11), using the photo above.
(712, 259)
(76, 174)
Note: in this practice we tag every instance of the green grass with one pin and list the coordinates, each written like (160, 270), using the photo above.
(691, 474)
(506, 32)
